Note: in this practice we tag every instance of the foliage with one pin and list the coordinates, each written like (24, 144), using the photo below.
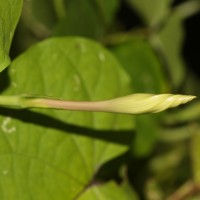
(81, 50)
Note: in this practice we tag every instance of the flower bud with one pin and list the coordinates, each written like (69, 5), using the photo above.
(145, 103)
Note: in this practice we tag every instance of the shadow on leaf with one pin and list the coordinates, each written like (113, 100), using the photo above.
(124, 137)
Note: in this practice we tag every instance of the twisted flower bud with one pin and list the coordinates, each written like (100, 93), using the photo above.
(146, 103)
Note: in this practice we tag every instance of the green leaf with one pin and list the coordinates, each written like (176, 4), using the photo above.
(141, 63)
(147, 135)
(96, 14)
(9, 15)
(45, 154)
(153, 12)
(88, 12)
(171, 40)
(109, 191)
(44, 11)
(63, 17)
(195, 142)
(107, 9)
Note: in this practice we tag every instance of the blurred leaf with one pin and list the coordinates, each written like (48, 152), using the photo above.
(175, 134)
(141, 63)
(166, 162)
(171, 40)
(110, 191)
(171, 49)
(46, 156)
(152, 11)
(96, 14)
(65, 17)
(153, 191)
(188, 8)
(147, 76)
(108, 9)
(147, 135)
(195, 149)
(128, 189)
(30, 28)
(77, 11)
(37, 20)
(44, 11)
(10, 11)
(170, 167)
(189, 113)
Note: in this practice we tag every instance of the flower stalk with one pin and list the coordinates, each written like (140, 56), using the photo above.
(131, 104)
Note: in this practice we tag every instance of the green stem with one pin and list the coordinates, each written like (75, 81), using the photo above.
(60, 9)
(32, 102)
(11, 101)
(68, 105)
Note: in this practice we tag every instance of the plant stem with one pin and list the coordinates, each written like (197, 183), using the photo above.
(60, 9)
(11, 101)
(32, 102)
(67, 105)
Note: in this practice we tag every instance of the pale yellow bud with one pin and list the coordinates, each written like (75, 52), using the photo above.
(145, 103)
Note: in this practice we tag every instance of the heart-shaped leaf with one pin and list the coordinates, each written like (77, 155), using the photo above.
(45, 154)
